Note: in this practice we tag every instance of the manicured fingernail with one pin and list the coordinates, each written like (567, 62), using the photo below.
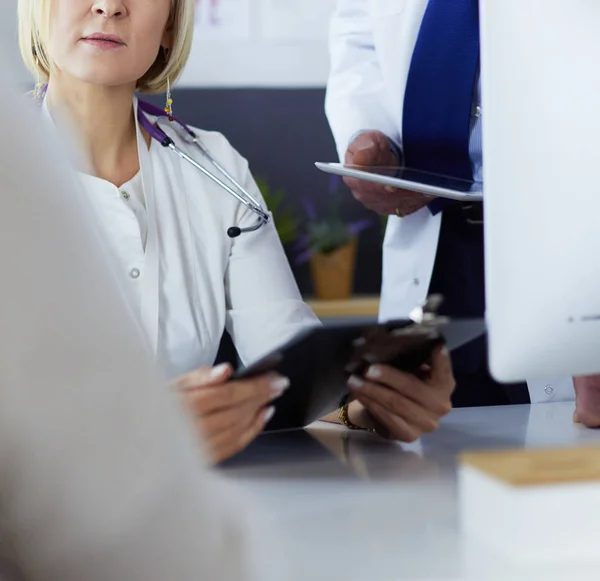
(374, 372)
(219, 370)
(355, 382)
(445, 352)
(279, 385)
(269, 415)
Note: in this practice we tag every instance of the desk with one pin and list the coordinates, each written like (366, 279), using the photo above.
(389, 512)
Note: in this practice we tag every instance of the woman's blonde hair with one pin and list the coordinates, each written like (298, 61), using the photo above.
(34, 32)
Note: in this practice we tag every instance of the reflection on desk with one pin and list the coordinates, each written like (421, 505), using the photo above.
(350, 506)
(332, 453)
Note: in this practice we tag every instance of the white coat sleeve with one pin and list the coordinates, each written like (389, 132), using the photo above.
(264, 305)
(101, 476)
(356, 97)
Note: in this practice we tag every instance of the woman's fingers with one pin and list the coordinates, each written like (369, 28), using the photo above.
(259, 391)
(230, 414)
(407, 385)
(441, 375)
(227, 444)
(205, 376)
(395, 427)
(229, 419)
(416, 416)
(407, 405)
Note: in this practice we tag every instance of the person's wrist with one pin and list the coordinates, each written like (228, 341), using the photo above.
(359, 416)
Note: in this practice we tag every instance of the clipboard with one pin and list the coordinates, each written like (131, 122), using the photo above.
(320, 360)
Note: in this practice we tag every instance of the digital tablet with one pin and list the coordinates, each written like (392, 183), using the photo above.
(409, 179)
(320, 360)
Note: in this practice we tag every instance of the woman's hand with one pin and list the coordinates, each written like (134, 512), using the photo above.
(229, 414)
(403, 406)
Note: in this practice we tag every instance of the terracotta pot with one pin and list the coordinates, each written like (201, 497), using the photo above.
(333, 274)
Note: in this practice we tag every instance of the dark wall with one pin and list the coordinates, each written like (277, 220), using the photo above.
(282, 133)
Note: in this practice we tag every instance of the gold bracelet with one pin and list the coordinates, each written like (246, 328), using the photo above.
(345, 420)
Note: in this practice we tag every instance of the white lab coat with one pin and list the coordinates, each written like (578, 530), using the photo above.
(101, 476)
(371, 45)
(188, 279)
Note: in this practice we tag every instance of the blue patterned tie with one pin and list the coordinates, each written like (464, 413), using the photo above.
(439, 91)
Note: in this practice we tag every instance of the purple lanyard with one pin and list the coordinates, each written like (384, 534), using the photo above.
(155, 132)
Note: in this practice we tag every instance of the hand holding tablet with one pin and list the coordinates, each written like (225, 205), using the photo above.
(320, 361)
(403, 178)
(374, 149)
(372, 171)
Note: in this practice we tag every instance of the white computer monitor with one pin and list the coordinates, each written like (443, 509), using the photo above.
(540, 72)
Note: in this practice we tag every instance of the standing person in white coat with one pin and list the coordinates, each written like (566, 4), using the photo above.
(101, 475)
(167, 223)
(404, 90)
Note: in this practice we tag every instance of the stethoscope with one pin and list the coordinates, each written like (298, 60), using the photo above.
(188, 136)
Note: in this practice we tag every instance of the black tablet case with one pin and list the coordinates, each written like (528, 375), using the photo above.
(319, 362)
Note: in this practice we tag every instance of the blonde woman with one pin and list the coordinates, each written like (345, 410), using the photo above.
(167, 222)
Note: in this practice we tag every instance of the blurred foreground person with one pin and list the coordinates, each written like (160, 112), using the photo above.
(101, 475)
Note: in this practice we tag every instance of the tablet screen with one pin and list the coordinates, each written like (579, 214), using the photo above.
(422, 177)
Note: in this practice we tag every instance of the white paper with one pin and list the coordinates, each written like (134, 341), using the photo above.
(222, 20)
(296, 20)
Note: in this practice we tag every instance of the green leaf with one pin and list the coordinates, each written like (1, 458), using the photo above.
(327, 236)
(286, 224)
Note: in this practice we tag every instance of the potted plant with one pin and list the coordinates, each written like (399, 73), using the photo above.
(286, 224)
(329, 245)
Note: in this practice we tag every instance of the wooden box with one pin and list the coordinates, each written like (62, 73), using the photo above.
(533, 505)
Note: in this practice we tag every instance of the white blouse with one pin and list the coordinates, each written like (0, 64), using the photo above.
(189, 281)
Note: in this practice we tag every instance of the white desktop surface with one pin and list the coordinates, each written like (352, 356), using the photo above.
(391, 511)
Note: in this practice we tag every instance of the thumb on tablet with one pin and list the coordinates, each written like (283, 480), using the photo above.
(442, 375)
(205, 377)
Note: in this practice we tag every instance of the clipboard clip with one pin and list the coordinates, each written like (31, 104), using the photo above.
(428, 311)
(404, 344)
(425, 319)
